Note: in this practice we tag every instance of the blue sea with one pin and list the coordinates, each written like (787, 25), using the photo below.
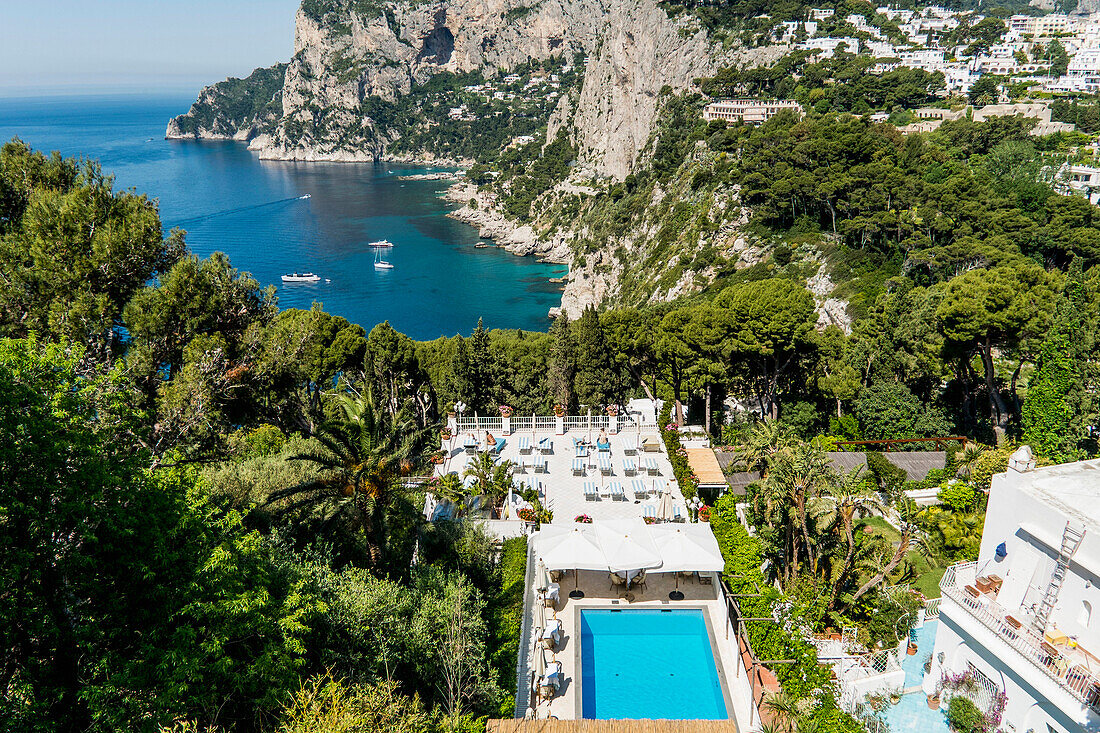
(228, 200)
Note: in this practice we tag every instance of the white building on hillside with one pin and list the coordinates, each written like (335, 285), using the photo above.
(1024, 620)
(828, 45)
(749, 111)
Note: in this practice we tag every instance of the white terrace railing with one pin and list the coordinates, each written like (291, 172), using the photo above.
(932, 609)
(545, 423)
(957, 585)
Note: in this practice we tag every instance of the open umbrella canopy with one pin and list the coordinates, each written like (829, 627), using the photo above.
(627, 544)
(687, 548)
(569, 548)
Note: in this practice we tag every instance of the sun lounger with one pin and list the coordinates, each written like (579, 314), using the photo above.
(616, 491)
(517, 467)
(469, 444)
(527, 462)
(499, 446)
(540, 464)
(630, 446)
(651, 467)
(677, 515)
(651, 444)
(640, 491)
(659, 486)
(590, 492)
(546, 445)
(603, 447)
(605, 465)
(649, 511)
(580, 451)
(578, 467)
(533, 484)
(524, 444)
(630, 468)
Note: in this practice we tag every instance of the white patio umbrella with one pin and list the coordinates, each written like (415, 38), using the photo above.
(570, 548)
(627, 544)
(542, 577)
(689, 548)
(664, 506)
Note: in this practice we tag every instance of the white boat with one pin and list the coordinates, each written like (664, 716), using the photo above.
(302, 277)
(381, 243)
(383, 265)
(306, 196)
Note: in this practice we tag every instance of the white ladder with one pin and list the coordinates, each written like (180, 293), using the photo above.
(1071, 540)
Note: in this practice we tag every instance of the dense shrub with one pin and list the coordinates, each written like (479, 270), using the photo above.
(888, 476)
(958, 496)
(964, 716)
(677, 454)
(506, 619)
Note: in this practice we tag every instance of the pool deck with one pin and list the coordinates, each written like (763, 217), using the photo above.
(563, 487)
(912, 714)
(566, 705)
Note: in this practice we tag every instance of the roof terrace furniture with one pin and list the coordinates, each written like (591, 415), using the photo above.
(525, 463)
(630, 445)
(605, 465)
(578, 467)
(640, 491)
(546, 446)
(629, 467)
(469, 444)
(524, 444)
(660, 486)
(590, 492)
(651, 444)
(580, 451)
(616, 490)
(677, 515)
(649, 511)
(540, 464)
(651, 467)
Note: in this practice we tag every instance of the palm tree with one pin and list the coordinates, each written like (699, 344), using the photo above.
(850, 500)
(361, 459)
(797, 476)
(491, 478)
(969, 459)
(765, 439)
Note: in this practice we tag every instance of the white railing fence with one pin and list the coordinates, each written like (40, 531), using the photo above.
(932, 609)
(1074, 678)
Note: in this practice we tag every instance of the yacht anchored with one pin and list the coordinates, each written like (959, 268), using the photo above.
(383, 265)
(381, 243)
(302, 277)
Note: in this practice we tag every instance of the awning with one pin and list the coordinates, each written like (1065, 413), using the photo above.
(627, 544)
(705, 467)
(570, 548)
(687, 548)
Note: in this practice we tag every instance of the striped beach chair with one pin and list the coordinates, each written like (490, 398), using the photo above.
(659, 486)
(539, 464)
(640, 491)
(580, 451)
(524, 444)
(630, 445)
(616, 491)
(651, 467)
(630, 468)
(578, 467)
(649, 511)
(546, 446)
(605, 465)
(590, 492)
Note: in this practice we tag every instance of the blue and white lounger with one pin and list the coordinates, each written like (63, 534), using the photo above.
(651, 467)
(677, 516)
(590, 492)
(630, 468)
(630, 445)
(546, 445)
(605, 465)
(616, 491)
(659, 486)
(578, 467)
(649, 511)
(580, 451)
(533, 484)
(540, 464)
(524, 444)
(469, 444)
(640, 491)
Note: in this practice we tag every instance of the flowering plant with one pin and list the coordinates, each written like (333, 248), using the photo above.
(559, 410)
(704, 513)
(612, 410)
(672, 427)
(506, 411)
(528, 514)
(649, 520)
(583, 519)
(445, 433)
(438, 457)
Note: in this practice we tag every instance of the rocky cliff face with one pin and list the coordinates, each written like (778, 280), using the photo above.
(351, 54)
(234, 109)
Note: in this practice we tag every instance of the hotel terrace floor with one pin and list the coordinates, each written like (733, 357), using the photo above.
(563, 488)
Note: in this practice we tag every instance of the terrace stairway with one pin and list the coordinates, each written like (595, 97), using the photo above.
(1071, 540)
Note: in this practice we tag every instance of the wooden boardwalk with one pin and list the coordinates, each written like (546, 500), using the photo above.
(515, 725)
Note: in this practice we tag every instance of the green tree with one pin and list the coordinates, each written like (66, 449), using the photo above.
(562, 362)
(891, 410)
(593, 381)
(1060, 404)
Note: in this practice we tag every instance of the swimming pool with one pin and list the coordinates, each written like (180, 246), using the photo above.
(648, 664)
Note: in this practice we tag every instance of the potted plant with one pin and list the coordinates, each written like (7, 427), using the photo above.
(895, 697)
(649, 520)
(934, 700)
(437, 457)
(559, 410)
(704, 513)
(612, 410)
(506, 411)
(912, 648)
(528, 514)
(582, 519)
(446, 434)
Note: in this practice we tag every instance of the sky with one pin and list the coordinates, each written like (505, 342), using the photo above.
(52, 47)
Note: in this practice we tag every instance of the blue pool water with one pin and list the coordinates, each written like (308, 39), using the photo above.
(228, 200)
(641, 664)
(912, 714)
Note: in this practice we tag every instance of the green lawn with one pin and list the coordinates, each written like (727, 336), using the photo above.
(928, 577)
(882, 528)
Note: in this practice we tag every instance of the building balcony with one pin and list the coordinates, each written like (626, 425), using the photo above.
(1059, 658)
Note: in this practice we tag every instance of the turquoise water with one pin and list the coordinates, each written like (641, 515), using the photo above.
(229, 200)
(912, 714)
(648, 665)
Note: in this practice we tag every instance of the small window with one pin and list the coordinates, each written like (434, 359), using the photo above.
(1085, 616)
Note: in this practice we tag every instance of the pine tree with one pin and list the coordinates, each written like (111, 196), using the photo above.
(1059, 404)
(562, 362)
(593, 379)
